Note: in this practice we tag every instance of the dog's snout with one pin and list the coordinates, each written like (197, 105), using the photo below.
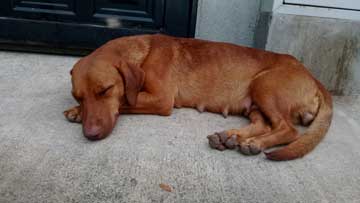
(92, 132)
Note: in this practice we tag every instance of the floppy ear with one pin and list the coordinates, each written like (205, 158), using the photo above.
(134, 78)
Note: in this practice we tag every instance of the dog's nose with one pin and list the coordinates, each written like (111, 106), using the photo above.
(92, 132)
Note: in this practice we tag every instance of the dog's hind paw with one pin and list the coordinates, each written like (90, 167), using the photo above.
(215, 143)
(221, 141)
(250, 147)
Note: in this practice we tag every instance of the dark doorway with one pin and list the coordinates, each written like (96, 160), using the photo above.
(79, 26)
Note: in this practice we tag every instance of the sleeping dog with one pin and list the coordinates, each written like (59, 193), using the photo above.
(151, 74)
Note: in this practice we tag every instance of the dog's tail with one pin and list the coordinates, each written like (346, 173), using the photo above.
(314, 133)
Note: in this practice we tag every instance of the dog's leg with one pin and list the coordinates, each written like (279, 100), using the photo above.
(73, 114)
(231, 138)
(277, 109)
(282, 134)
(148, 103)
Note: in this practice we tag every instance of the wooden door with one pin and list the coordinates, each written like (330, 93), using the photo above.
(71, 25)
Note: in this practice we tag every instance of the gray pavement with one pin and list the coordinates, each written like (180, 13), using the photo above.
(44, 158)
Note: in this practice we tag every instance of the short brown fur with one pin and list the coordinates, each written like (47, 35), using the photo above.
(151, 74)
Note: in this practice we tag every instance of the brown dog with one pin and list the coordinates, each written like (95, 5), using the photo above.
(151, 74)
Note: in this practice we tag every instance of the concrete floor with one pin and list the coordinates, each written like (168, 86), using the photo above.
(44, 158)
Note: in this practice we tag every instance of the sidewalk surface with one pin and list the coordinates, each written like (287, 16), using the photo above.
(44, 158)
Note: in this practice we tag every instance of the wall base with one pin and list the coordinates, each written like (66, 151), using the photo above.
(330, 48)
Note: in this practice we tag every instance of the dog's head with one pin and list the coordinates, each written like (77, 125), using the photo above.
(101, 88)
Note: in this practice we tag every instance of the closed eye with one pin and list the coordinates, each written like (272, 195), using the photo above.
(103, 92)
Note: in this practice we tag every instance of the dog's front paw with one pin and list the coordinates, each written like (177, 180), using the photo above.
(73, 114)
(222, 141)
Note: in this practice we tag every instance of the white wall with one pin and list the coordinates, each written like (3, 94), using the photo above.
(330, 48)
(227, 20)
